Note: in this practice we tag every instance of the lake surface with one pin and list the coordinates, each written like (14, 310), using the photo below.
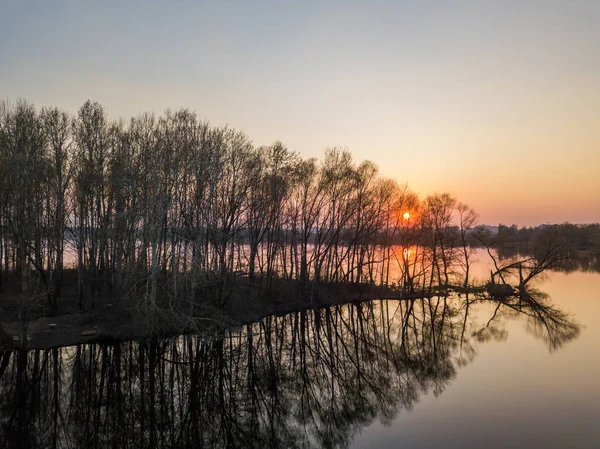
(516, 392)
(456, 372)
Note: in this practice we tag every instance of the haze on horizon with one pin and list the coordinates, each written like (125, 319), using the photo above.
(497, 103)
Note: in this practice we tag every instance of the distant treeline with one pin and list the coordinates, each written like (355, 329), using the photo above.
(165, 210)
(579, 244)
(575, 237)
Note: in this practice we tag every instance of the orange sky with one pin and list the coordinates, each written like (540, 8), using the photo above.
(497, 103)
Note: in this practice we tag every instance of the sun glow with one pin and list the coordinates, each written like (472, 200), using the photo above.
(406, 215)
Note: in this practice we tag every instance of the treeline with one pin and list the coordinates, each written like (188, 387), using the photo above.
(579, 243)
(164, 210)
(575, 237)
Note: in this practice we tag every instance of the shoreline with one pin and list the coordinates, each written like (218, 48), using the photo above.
(107, 324)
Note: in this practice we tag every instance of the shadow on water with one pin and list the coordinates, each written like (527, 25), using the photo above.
(308, 379)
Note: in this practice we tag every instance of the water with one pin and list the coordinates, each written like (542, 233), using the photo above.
(428, 373)
(515, 393)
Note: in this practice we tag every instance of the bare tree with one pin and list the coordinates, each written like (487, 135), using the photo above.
(467, 219)
(56, 127)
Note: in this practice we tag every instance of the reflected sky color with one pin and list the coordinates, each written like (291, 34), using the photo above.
(515, 393)
(495, 102)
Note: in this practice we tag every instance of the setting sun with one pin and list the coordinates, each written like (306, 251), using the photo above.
(406, 215)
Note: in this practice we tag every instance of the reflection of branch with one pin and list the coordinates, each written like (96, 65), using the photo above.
(4, 362)
(489, 331)
(493, 316)
(551, 324)
(309, 379)
(545, 321)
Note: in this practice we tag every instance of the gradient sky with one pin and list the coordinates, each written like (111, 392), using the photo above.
(496, 102)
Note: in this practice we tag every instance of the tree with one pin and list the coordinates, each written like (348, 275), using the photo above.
(467, 219)
(56, 127)
(93, 211)
(436, 221)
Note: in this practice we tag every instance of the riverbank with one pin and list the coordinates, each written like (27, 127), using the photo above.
(106, 323)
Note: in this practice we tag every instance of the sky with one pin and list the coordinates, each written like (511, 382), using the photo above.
(495, 102)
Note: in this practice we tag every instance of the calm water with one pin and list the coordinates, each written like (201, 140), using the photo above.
(457, 372)
(517, 392)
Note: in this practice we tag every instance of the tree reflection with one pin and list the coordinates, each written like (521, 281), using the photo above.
(313, 378)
